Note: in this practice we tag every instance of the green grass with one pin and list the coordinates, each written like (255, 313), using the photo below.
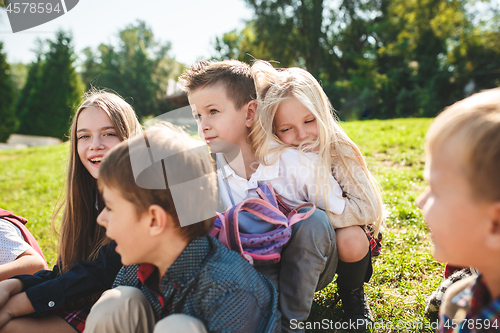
(31, 182)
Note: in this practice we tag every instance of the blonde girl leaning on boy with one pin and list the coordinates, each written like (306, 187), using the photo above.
(294, 112)
(87, 264)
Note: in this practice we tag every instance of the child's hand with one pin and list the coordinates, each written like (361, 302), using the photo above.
(16, 306)
(8, 288)
(5, 317)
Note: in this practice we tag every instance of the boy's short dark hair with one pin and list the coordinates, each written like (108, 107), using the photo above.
(117, 171)
(235, 75)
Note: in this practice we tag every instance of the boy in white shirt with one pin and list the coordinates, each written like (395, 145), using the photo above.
(222, 95)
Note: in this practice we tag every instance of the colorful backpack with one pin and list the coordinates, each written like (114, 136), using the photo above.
(269, 214)
(20, 222)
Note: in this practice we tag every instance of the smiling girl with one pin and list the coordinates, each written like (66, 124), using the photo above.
(87, 262)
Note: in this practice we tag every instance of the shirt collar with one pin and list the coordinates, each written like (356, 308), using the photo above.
(263, 172)
(224, 166)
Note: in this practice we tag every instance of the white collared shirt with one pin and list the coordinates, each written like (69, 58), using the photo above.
(293, 177)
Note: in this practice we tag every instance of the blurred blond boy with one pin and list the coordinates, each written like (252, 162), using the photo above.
(462, 208)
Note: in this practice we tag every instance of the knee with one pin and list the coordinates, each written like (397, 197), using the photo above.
(118, 297)
(315, 233)
(116, 303)
(316, 225)
(180, 323)
(352, 243)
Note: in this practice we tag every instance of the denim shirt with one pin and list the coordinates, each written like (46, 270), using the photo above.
(211, 283)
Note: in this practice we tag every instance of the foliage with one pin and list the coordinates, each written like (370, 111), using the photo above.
(378, 59)
(52, 91)
(404, 274)
(8, 120)
(19, 75)
(138, 68)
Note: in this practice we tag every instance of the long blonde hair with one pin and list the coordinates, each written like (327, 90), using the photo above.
(80, 237)
(277, 85)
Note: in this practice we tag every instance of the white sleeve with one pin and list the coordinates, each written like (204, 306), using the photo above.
(12, 243)
(302, 170)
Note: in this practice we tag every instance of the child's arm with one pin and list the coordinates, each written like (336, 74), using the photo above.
(84, 278)
(358, 197)
(28, 262)
(13, 303)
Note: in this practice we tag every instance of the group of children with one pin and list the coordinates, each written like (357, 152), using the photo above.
(178, 278)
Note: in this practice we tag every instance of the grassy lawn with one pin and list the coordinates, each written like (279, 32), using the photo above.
(31, 182)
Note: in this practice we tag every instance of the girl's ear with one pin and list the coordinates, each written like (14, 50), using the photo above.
(251, 110)
(159, 220)
(493, 238)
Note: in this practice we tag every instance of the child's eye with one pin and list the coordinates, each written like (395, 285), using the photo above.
(310, 121)
(213, 111)
(83, 137)
(107, 208)
(109, 134)
(197, 116)
(284, 129)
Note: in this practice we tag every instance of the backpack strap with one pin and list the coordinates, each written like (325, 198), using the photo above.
(224, 177)
(266, 192)
(295, 216)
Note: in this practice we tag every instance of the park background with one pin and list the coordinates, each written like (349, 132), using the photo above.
(388, 67)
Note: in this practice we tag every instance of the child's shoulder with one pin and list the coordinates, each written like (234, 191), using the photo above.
(449, 308)
(293, 156)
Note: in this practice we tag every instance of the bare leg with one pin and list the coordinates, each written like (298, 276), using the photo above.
(352, 243)
(49, 324)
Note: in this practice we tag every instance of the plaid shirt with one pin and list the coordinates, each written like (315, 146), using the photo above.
(211, 283)
(482, 313)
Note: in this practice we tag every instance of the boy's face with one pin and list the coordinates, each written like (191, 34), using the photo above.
(124, 226)
(217, 117)
(457, 222)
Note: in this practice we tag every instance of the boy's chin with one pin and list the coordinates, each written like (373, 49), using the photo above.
(227, 148)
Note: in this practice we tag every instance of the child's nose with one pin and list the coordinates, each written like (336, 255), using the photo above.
(96, 143)
(101, 219)
(205, 124)
(301, 134)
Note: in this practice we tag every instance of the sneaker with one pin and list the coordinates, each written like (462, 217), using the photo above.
(357, 312)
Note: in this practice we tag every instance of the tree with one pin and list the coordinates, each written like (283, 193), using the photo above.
(241, 45)
(138, 68)
(380, 58)
(8, 121)
(55, 92)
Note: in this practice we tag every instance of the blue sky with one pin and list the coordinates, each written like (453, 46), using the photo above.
(190, 25)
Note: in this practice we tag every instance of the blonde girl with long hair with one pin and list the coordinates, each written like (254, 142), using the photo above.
(294, 112)
(87, 262)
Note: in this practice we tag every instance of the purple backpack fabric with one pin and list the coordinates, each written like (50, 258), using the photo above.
(264, 248)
